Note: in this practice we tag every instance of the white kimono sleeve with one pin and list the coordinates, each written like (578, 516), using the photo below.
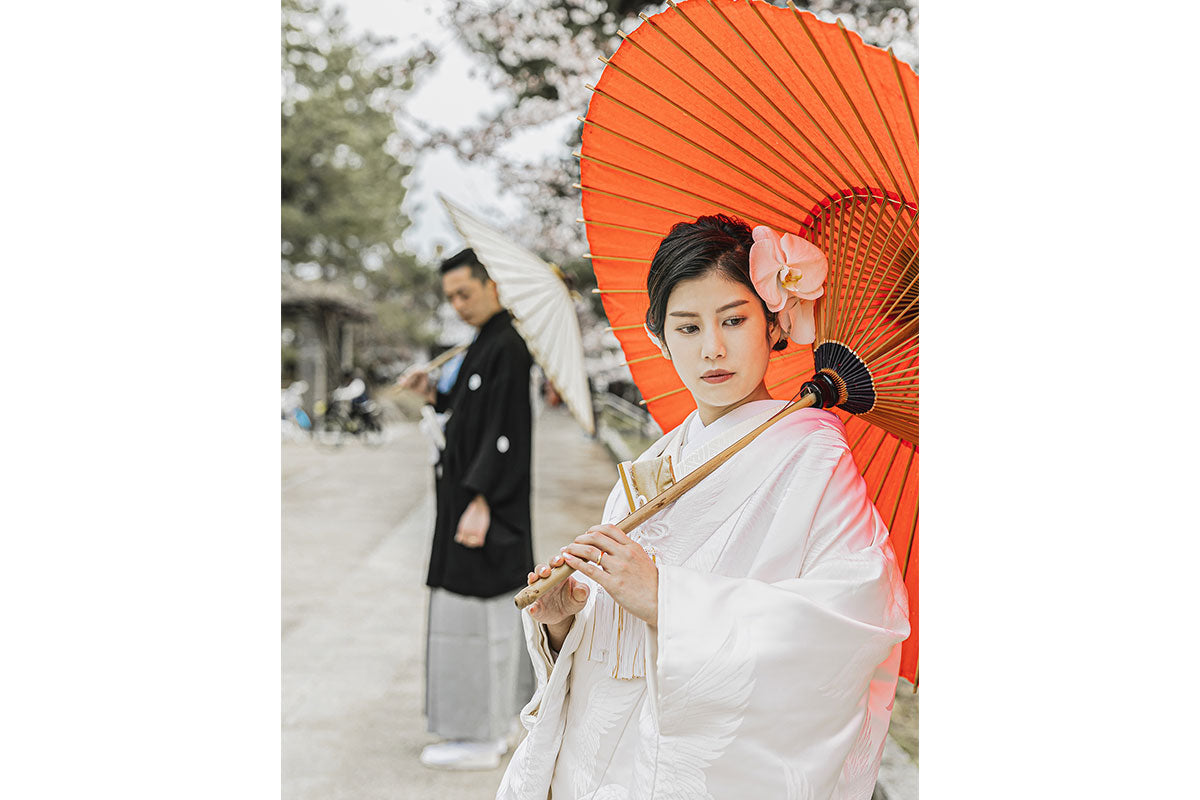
(768, 682)
(547, 664)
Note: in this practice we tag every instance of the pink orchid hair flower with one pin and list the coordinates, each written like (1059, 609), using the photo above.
(789, 274)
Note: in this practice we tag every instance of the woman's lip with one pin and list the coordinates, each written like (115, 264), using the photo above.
(716, 377)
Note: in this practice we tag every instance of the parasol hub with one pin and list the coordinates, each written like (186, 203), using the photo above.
(828, 389)
(841, 379)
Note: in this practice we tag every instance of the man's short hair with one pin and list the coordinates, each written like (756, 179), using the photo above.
(466, 258)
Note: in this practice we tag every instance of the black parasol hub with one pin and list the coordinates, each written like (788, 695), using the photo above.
(841, 379)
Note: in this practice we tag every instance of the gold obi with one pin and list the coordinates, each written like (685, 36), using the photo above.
(645, 480)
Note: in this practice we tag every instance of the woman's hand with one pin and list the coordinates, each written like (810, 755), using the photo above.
(556, 609)
(560, 604)
(624, 570)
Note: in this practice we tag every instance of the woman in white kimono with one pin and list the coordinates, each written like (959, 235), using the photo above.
(745, 641)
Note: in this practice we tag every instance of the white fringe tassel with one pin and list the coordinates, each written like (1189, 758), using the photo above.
(618, 637)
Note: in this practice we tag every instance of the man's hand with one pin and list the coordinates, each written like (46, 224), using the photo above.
(474, 523)
(419, 382)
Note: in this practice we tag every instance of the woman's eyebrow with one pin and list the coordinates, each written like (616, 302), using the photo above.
(725, 307)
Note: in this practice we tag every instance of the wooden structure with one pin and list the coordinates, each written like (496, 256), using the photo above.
(322, 314)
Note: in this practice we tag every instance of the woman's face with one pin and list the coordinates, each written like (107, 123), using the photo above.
(718, 339)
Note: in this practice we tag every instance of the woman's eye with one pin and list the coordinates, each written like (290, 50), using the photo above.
(733, 322)
(687, 329)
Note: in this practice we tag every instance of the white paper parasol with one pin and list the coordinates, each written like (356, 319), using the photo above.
(542, 307)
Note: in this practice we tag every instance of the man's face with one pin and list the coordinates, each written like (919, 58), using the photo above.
(474, 300)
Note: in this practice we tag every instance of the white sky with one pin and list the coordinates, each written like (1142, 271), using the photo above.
(447, 97)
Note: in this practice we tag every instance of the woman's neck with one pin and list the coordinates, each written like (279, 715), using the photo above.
(710, 414)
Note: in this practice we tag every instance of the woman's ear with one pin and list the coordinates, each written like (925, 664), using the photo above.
(665, 352)
(774, 331)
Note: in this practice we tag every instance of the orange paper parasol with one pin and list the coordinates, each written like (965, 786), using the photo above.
(772, 116)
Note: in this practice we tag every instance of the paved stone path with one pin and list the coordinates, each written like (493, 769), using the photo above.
(357, 522)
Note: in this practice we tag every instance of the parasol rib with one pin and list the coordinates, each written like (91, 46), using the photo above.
(853, 275)
(860, 316)
(650, 400)
(842, 330)
(912, 538)
(874, 453)
(591, 257)
(824, 134)
(882, 118)
(643, 358)
(861, 344)
(801, 18)
(862, 435)
(754, 85)
(891, 519)
(912, 117)
(788, 89)
(693, 195)
(627, 199)
(720, 160)
(656, 234)
(777, 384)
(776, 359)
(712, 130)
(732, 94)
(890, 462)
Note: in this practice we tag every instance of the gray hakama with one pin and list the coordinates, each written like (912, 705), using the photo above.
(478, 673)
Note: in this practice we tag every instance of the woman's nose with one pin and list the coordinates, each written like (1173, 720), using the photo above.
(714, 344)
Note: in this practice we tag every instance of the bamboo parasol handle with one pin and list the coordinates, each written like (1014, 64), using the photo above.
(429, 366)
(560, 573)
(435, 363)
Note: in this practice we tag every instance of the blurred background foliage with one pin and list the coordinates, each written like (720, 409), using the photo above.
(349, 143)
(541, 54)
(344, 162)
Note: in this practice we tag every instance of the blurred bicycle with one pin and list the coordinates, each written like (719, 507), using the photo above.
(352, 414)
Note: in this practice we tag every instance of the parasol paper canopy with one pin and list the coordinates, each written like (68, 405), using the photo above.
(774, 117)
(542, 307)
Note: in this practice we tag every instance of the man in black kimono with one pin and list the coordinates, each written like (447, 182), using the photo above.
(477, 674)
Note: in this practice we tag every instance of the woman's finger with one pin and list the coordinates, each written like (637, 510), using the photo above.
(588, 568)
(584, 551)
(613, 532)
(599, 540)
